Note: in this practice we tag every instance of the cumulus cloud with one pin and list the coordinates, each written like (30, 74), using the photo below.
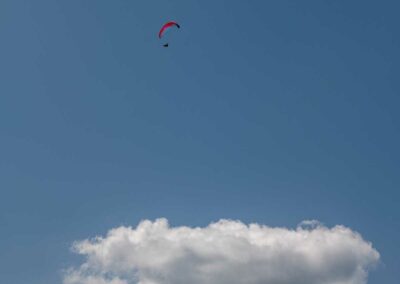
(224, 252)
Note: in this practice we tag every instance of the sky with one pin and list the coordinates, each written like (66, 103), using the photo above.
(267, 112)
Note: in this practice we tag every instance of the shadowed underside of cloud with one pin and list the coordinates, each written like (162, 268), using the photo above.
(224, 252)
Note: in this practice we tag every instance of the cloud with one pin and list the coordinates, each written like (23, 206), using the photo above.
(224, 252)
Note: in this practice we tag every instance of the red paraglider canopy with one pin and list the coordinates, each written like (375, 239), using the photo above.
(166, 26)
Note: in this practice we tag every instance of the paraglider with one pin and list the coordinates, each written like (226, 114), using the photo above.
(166, 27)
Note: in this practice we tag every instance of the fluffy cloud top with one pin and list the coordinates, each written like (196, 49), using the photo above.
(225, 252)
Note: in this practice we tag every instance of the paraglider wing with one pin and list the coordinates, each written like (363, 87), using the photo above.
(167, 26)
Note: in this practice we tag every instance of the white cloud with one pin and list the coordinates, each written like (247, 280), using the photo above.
(224, 252)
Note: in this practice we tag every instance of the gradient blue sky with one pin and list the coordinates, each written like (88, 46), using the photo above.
(263, 111)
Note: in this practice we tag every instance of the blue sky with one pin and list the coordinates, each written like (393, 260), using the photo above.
(269, 111)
